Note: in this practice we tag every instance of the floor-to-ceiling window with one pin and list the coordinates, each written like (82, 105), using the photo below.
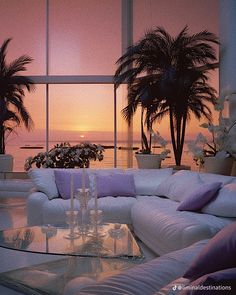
(70, 40)
(75, 44)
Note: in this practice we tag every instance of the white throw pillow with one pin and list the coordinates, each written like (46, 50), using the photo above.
(179, 185)
(224, 204)
(44, 180)
(147, 180)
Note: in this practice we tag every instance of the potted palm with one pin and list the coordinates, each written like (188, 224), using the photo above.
(12, 92)
(168, 76)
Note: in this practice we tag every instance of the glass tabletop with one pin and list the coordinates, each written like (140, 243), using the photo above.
(108, 240)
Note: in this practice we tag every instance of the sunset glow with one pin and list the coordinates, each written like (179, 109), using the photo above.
(85, 39)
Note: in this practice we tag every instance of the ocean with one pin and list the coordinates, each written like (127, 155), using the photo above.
(20, 154)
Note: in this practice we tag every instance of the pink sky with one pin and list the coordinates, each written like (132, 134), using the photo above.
(85, 39)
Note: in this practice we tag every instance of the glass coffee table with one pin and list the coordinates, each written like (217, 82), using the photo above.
(91, 254)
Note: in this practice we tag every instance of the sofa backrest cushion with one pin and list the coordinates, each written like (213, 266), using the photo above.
(199, 197)
(211, 177)
(224, 204)
(94, 172)
(219, 253)
(115, 185)
(177, 186)
(44, 181)
(63, 181)
(147, 180)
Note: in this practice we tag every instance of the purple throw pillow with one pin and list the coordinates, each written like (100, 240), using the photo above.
(225, 279)
(115, 185)
(218, 254)
(63, 178)
(200, 197)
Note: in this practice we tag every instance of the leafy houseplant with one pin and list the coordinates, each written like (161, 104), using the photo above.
(13, 113)
(168, 76)
(146, 159)
(217, 152)
(220, 145)
(66, 156)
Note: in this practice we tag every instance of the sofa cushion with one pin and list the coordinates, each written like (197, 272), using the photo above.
(211, 177)
(163, 229)
(115, 209)
(44, 181)
(94, 172)
(147, 180)
(225, 202)
(218, 254)
(179, 185)
(54, 211)
(199, 197)
(63, 181)
(115, 185)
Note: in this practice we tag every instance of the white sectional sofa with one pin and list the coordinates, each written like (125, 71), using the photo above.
(181, 237)
(154, 217)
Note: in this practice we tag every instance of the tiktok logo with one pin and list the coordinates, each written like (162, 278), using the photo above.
(177, 287)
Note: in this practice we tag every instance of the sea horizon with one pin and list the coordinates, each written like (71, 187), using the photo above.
(29, 149)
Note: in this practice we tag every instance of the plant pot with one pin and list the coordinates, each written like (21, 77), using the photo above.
(6, 163)
(233, 171)
(180, 167)
(218, 166)
(148, 161)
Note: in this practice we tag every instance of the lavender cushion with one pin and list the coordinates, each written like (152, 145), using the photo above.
(63, 178)
(218, 254)
(200, 197)
(115, 185)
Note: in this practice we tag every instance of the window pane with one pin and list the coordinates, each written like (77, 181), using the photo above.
(175, 15)
(24, 22)
(84, 37)
(24, 143)
(83, 113)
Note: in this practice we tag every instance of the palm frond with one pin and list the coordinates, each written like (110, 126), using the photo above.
(12, 93)
(3, 51)
(18, 65)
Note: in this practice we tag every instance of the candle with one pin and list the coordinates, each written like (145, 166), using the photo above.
(83, 181)
(95, 195)
(71, 192)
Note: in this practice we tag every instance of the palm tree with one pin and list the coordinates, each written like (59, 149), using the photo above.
(168, 76)
(12, 92)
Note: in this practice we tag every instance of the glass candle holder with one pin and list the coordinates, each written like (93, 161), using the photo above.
(72, 220)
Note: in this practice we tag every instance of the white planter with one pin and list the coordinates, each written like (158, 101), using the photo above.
(218, 166)
(6, 163)
(233, 171)
(148, 161)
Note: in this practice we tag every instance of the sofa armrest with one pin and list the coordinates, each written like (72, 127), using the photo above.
(34, 208)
